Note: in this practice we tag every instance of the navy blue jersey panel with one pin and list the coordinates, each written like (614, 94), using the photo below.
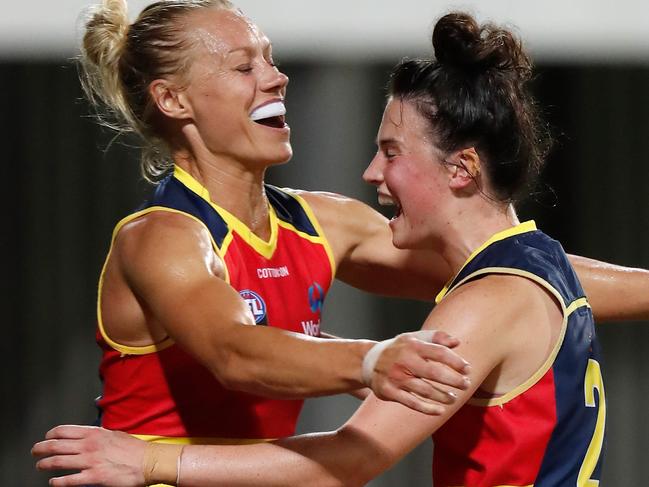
(171, 193)
(290, 210)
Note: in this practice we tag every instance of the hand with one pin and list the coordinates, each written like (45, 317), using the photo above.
(417, 369)
(102, 457)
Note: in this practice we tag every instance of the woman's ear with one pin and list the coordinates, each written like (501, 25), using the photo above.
(464, 168)
(169, 99)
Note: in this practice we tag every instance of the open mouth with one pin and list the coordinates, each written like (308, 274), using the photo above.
(271, 115)
(397, 212)
(275, 122)
(385, 200)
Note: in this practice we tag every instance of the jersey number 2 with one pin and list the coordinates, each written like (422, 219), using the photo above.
(592, 381)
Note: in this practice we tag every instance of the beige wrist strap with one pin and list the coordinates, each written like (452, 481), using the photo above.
(161, 463)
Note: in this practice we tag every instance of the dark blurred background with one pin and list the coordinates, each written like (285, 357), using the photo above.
(68, 182)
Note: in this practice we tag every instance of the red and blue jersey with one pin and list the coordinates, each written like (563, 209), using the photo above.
(549, 431)
(160, 392)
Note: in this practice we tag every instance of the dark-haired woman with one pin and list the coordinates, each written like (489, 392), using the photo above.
(458, 142)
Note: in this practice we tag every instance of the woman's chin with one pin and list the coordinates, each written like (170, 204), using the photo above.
(281, 156)
(405, 240)
(400, 241)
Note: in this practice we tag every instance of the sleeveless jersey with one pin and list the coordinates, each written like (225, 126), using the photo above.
(549, 431)
(160, 392)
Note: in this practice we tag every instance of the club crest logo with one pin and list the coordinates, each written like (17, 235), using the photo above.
(316, 297)
(255, 303)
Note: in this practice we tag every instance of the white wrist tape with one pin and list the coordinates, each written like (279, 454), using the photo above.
(373, 354)
(370, 359)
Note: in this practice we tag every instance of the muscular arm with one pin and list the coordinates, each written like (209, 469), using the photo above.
(168, 263)
(362, 243)
(616, 293)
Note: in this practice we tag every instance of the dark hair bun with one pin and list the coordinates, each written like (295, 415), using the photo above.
(460, 42)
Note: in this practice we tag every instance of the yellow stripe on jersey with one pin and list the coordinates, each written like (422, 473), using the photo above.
(167, 342)
(316, 224)
(264, 248)
(528, 226)
(541, 371)
(577, 303)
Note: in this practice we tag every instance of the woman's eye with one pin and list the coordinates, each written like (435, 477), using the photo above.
(246, 68)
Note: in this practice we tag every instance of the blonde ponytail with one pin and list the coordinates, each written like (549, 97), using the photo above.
(103, 44)
(118, 62)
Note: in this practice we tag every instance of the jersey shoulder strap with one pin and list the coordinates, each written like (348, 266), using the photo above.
(171, 193)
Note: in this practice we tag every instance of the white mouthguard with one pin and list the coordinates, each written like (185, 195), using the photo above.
(274, 109)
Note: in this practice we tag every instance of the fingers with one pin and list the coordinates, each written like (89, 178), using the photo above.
(71, 432)
(414, 402)
(436, 336)
(429, 392)
(81, 478)
(434, 369)
(420, 374)
(56, 447)
(418, 394)
(441, 354)
(63, 462)
(62, 455)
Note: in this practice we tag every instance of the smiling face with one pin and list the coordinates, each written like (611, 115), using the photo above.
(234, 93)
(409, 172)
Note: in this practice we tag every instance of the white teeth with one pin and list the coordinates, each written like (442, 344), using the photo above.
(385, 200)
(274, 109)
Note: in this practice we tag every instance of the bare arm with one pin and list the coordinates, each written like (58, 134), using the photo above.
(616, 293)
(381, 431)
(168, 263)
(362, 242)
(357, 393)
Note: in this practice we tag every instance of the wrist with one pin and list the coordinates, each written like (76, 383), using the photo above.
(370, 359)
(161, 463)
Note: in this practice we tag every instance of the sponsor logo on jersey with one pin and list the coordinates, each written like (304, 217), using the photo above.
(272, 272)
(255, 303)
(311, 328)
(316, 297)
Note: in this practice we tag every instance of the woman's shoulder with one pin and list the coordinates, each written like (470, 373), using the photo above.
(495, 300)
(156, 223)
(158, 235)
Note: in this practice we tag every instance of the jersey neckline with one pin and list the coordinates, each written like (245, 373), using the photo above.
(525, 227)
(261, 246)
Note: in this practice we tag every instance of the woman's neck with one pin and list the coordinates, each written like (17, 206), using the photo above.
(232, 186)
(470, 229)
